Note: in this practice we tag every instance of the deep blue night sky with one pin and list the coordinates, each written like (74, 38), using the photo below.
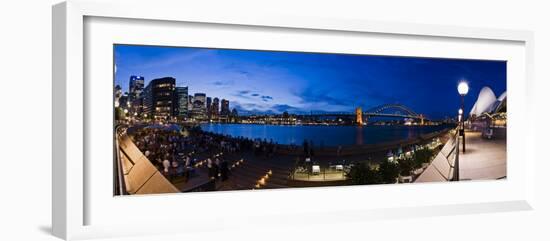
(269, 81)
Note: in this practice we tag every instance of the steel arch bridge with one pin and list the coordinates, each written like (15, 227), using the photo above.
(378, 111)
(401, 111)
(406, 111)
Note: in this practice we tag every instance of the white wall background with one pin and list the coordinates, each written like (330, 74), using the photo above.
(25, 128)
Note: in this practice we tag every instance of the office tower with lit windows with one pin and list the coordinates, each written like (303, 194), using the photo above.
(225, 108)
(158, 98)
(135, 89)
(215, 108)
(199, 106)
(182, 102)
(209, 107)
(136, 86)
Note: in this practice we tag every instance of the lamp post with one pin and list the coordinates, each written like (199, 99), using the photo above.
(463, 91)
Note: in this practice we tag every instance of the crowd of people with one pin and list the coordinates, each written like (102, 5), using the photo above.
(175, 153)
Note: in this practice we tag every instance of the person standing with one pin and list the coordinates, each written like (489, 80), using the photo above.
(166, 165)
(211, 170)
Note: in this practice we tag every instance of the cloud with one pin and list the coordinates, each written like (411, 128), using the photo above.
(280, 108)
(249, 95)
(243, 94)
(223, 83)
(263, 109)
(177, 59)
(311, 95)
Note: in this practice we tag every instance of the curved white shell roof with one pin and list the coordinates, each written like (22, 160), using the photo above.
(502, 97)
(485, 101)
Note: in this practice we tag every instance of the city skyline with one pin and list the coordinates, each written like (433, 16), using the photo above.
(274, 82)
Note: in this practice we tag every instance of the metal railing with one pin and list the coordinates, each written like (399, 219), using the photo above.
(456, 149)
(118, 174)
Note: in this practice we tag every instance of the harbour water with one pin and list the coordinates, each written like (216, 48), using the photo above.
(323, 135)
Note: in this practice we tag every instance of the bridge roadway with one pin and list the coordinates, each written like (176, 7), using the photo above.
(369, 114)
(378, 111)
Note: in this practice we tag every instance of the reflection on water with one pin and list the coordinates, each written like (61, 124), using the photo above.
(359, 135)
(322, 135)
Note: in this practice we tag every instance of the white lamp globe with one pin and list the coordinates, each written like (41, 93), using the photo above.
(463, 88)
(460, 111)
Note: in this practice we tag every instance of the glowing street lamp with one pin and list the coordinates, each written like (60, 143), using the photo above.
(463, 88)
(463, 91)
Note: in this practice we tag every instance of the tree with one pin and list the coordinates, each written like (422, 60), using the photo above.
(119, 113)
(406, 166)
(422, 156)
(361, 174)
(389, 171)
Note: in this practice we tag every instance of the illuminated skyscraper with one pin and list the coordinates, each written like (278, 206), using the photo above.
(136, 87)
(215, 107)
(134, 96)
(225, 108)
(199, 106)
(182, 102)
(158, 97)
(209, 107)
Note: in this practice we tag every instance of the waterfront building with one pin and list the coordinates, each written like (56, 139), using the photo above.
(190, 98)
(488, 112)
(158, 97)
(182, 102)
(136, 106)
(136, 86)
(488, 103)
(215, 107)
(225, 108)
(123, 101)
(199, 106)
(209, 107)
(234, 115)
(118, 94)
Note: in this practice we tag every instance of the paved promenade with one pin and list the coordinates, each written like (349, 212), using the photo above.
(485, 159)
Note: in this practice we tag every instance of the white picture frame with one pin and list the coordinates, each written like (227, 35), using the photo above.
(72, 193)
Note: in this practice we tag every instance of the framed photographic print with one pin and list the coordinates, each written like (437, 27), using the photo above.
(280, 118)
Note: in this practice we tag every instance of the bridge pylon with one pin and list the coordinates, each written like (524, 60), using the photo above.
(359, 116)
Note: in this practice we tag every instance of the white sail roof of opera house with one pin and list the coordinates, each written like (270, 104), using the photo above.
(502, 97)
(487, 102)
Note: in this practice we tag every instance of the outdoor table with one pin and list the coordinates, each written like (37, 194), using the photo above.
(316, 169)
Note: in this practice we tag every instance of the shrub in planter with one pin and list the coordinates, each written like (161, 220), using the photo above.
(362, 174)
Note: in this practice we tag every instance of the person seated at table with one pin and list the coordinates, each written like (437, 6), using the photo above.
(175, 166)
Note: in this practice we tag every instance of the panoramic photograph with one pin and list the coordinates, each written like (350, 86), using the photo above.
(190, 119)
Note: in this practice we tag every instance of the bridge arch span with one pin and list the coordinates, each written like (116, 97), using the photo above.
(381, 108)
